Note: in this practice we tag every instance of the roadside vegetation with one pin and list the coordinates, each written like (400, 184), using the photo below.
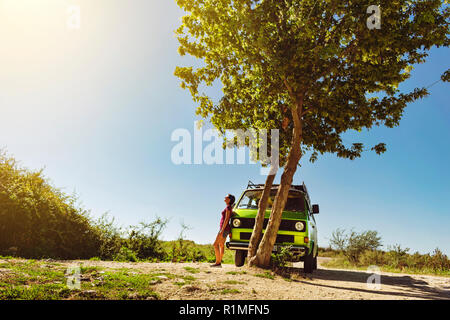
(350, 249)
(39, 221)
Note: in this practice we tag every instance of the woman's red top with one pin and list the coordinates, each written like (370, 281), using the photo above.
(224, 214)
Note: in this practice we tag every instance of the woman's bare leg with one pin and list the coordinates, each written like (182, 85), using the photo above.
(222, 250)
(216, 251)
(219, 248)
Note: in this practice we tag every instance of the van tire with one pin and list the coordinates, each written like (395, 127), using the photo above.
(308, 264)
(239, 257)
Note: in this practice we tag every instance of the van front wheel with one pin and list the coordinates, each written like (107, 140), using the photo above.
(239, 257)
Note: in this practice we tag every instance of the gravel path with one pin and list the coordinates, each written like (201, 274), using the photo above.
(230, 282)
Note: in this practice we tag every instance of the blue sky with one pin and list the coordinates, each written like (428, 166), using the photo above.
(96, 106)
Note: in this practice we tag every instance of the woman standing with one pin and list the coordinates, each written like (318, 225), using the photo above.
(225, 230)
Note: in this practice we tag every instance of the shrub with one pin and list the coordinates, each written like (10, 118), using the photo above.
(439, 261)
(397, 257)
(38, 220)
(362, 249)
(183, 250)
(125, 255)
(354, 244)
(143, 239)
(111, 237)
(372, 257)
(281, 258)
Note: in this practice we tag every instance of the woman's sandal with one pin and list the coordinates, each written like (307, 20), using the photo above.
(216, 265)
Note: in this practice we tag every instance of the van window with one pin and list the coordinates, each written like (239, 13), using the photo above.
(250, 200)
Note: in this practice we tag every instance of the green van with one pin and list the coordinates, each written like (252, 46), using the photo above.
(298, 229)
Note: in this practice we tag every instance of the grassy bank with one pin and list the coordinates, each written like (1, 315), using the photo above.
(43, 280)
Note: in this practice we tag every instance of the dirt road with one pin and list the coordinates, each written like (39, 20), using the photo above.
(230, 282)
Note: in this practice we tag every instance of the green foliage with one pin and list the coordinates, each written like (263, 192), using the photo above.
(144, 239)
(183, 250)
(37, 220)
(36, 292)
(125, 254)
(236, 272)
(280, 259)
(273, 56)
(361, 250)
(354, 244)
(327, 252)
(267, 275)
(372, 257)
(446, 76)
(111, 237)
(228, 291)
(192, 270)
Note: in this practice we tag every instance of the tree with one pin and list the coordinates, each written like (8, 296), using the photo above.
(256, 236)
(354, 244)
(311, 67)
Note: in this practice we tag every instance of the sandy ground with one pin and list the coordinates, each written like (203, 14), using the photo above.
(242, 283)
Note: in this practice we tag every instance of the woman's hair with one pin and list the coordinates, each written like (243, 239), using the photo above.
(232, 199)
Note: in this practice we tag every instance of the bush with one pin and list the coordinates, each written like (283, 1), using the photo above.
(397, 257)
(125, 255)
(37, 220)
(281, 259)
(439, 261)
(354, 244)
(328, 252)
(143, 239)
(182, 250)
(362, 250)
(372, 257)
(111, 237)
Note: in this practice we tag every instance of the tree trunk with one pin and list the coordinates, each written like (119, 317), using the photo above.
(264, 251)
(259, 219)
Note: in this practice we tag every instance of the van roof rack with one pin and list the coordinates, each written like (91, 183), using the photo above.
(252, 185)
(301, 188)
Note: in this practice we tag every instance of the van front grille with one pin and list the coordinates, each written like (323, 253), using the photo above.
(281, 238)
(285, 225)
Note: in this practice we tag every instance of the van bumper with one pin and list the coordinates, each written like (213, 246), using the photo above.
(300, 250)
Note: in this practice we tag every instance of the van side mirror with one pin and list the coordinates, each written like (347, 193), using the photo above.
(315, 209)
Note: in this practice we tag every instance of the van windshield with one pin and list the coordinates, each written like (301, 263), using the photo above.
(250, 199)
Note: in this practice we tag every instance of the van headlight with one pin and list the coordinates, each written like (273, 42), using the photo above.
(236, 223)
(299, 226)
